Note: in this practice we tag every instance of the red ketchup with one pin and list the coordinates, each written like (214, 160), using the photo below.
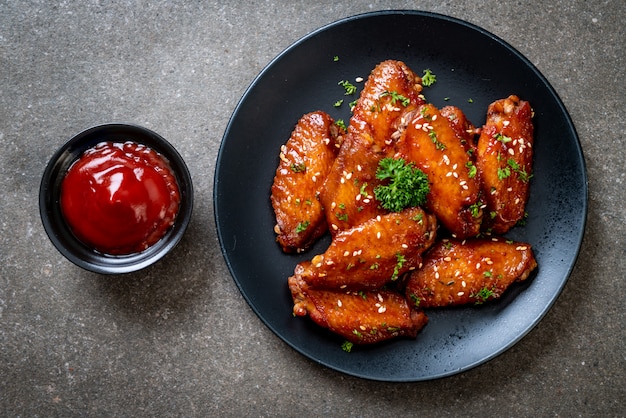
(120, 198)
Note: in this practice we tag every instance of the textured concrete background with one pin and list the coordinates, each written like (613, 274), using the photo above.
(178, 339)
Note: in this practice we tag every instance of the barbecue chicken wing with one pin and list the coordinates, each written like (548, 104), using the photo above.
(433, 146)
(391, 91)
(304, 163)
(473, 271)
(372, 254)
(364, 317)
(504, 161)
(462, 127)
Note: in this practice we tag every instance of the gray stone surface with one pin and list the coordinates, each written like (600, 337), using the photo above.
(178, 339)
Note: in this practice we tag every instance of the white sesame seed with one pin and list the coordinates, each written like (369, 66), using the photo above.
(333, 205)
(382, 309)
(358, 197)
(462, 182)
(339, 303)
(346, 253)
(378, 235)
(334, 227)
(366, 200)
(314, 179)
(456, 175)
(511, 151)
(436, 275)
(358, 79)
(477, 266)
(460, 293)
(378, 218)
(405, 246)
(434, 117)
(379, 296)
(463, 283)
(418, 126)
(506, 122)
(358, 167)
(455, 166)
(348, 176)
(447, 259)
(449, 173)
(521, 248)
(277, 229)
(343, 180)
(465, 187)
(446, 159)
(363, 328)
(318, 265)
(457, 273)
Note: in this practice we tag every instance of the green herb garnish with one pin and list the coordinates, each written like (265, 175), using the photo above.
(407, 186)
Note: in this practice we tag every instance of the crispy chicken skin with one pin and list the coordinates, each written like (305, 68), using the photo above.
(433, 146)
(372, 254)
(462, 127)
(348, 193)
(365, 317)
(305, 161)
(504, 160)
(468, 272)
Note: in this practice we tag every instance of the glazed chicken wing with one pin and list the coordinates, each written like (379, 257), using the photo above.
(504, 161)
(304, 163)
(364, 317)
(391, 91)
(462, 127)
(372, 254)
(473, 271)
(433, 146)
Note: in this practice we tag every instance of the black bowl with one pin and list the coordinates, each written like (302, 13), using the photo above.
(59, 232)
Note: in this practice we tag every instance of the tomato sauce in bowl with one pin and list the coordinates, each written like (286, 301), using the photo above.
(120, 198)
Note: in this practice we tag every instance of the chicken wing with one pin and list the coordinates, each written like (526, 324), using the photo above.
(473, 271)
(462, 127)
(305, 161)
(504, 160)
(370, 255)
(364, 317)
(433, 146)
(391, 91)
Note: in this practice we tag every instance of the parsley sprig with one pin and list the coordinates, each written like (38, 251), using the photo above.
(407, 185)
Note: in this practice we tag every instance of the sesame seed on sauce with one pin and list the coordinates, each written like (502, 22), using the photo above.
(521, 248)
(447, 258)
(460, 293)
(346, 253)
(477, 266)
(382, 309)
(339, 303)
(463, 283)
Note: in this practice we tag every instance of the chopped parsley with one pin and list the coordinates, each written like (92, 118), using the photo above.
(338, 103)
(482, 295)
(433, 136)
(347, 346)
(502, 138)
(407, 185)
(395, 97)
(471, 169)
(341, 124)
(429, 78)
(400, 262)
(298, 168)
(302, 226)
(521, 173)
(348, 87)
(503, 173)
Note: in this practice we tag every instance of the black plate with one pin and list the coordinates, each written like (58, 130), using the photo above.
(473, 68)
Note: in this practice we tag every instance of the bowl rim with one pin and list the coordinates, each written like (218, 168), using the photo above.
(59, 232)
